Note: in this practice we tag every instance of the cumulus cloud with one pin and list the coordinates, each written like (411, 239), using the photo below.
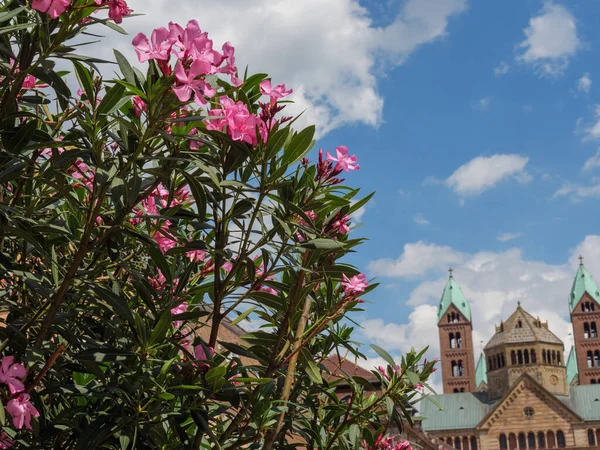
(591, 131)
(503, 237)
(485, 172)
(550, 40)
(592, 162)
(492, 282)
(330, 52)
(578, 192)
(585, 83)
(483, 104)
(416, 260)
(420, 219)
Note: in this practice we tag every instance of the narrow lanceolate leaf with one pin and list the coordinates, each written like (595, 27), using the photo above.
(161, 329)
(300, 144)
(116, 303)
(125, 67)
(385, 355)
(23, 136)
(104, 354)
(242, 316)
(84, 77)
(111, 99)
(323, 244)
(312, 370)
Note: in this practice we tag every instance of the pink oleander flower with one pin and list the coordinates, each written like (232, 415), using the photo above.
(274, 93)
(188, 83)
(10, 374)
(383, 372)
(5, 441)
(344, 162)
(420, 387)
(139, 105)
(159, 46)
(201, 355)
(227, 266)
(158, 282)
(53, 8)
(190, 41)
(230, 68)
(82, 172)
(341, 226)
(21, 410)
(354, 285)
(241, 124)
(180, 309)
(404, 445)
(164, 239)
(117, 9)
(196, 255)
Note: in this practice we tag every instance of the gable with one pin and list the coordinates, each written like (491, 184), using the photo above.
(585, 297)
(526, 397)
(453, 309)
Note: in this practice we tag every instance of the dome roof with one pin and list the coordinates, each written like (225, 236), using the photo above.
(522, 327)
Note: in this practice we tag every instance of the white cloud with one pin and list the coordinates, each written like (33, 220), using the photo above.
(592, 162)
(503, 237)
(551, 39)
(485, 172)
(492, 282)
(578, 192)
(483, 104)
(585, 83)
(501, 69)
(419, 219)
(329, 52)
(357, 215)
(416, 260)
(590, 132)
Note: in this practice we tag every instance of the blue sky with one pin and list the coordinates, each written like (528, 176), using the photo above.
(475, 122)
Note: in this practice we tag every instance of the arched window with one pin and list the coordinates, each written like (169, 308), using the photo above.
(522, 441)
(502, 359)
(461, 369)
(519, 324)
(558, 359)
(452, 340)
(526, 356)
(462, 389)
(593, 307)
(598, 435)
(455, 390)
(473, 443)
(520, 356)
(541, 440)
(590, 359)
(458, 340)
(586, 307)
(498, 361)
(441, 439)
(591, 438)
(490, 365)
(582, 308)
(512, 441)
(465, 443)
(530, 440)
(593, 330)
(592, 381)
(513, 357)
(553, 359)
(586, 330)
(533, 357)
(457, 443)
(560, 439)
(597, 358)
(551, 441)
(454, 368)
(502, 441)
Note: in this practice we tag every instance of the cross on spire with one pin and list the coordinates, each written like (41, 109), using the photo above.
(450, 270)
(580, 260)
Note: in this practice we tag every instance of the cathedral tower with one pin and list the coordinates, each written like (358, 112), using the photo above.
(456, 341)
(584, 304)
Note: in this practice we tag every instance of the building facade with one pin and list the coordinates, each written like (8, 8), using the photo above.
(522, 393)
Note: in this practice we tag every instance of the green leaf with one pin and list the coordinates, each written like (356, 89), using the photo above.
(85, 80)
(125, 67)
(116, 303)
(111, 100)
(299, 146)
(6, 16)
(276, 141)
(104, 354)
(2, 415)
(63, 93)
(312, 370)
(12, 170)
(323, 244)
(23, 136)
(260, 338)
(242, 316)
(385, 355)
(160, 330)
(198, 193)
(161, 262)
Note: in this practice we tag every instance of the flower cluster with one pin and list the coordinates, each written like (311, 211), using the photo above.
(20, 407)
(386, 443)
(327, 171)
(117, 9)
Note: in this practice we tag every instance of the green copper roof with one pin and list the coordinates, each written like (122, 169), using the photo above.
(459, 411)
(585, 401)
(453, 295)
(481, 371)
(582, 283)
(571, 366)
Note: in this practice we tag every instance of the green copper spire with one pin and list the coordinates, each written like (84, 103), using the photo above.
(582, 283)
(481, 371)
(572, 366)
(453, 296)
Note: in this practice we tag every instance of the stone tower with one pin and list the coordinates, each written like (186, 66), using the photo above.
(524, 344)
(456, 341)
(584, 304)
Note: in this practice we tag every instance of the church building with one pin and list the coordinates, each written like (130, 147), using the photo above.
(522, 393)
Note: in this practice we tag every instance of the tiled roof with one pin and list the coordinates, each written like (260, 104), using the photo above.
(459, 411)
(522, 327)
(453, 295)
(583, 282)
(339, 368)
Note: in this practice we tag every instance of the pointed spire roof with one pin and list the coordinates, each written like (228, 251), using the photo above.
(481, 371)
(453, 295)
(583, 282)
(572, 370)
